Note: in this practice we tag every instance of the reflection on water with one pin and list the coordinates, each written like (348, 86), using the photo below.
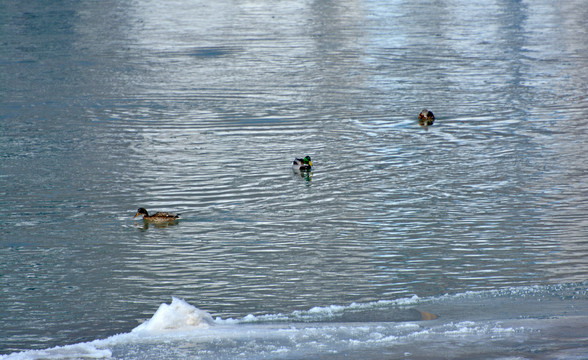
(306, 175)
(147, 224)
(199, 108)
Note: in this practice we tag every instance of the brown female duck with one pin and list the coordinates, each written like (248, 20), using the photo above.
(158, 217)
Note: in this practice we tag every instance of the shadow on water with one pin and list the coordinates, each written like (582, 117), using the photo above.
(214, 52)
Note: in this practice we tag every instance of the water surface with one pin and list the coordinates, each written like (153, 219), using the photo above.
(199, 108)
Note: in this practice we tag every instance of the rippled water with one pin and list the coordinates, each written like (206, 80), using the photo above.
(199, 108)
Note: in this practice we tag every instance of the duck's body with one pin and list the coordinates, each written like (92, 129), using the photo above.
(302, 164)
(158, 216)
(426, 118)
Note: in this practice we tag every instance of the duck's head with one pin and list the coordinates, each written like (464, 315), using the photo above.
(426, 114)
(142, 211)
(306, 160)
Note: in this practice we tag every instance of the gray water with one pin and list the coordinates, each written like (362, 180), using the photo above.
(199, 107)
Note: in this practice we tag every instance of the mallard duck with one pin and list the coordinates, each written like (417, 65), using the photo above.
(426, 118)
(302, 164)
(158, 216)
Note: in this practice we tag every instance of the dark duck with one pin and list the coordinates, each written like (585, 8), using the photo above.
(303, 164)
(426, 118)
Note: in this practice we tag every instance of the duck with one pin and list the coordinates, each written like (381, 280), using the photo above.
(426, 118)
(302, 164)
(158, 216)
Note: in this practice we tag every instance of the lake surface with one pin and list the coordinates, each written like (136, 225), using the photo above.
(199, 108)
